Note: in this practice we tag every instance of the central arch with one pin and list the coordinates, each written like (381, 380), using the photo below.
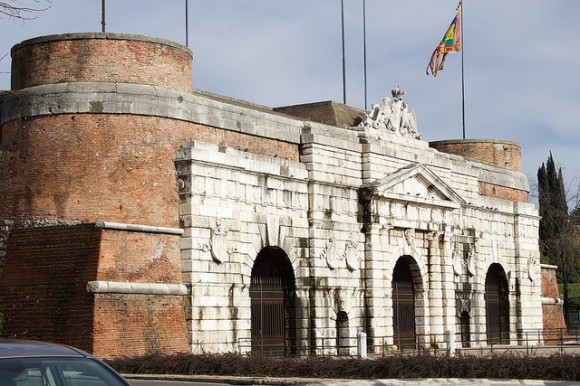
(497, 305)
(404, 304)
(272, 295)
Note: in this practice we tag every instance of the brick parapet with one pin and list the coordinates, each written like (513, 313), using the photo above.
(503, 192)
(101, 57)
(505, 154)
(498, 164)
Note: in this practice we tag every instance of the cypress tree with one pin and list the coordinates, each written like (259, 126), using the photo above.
(543, 201)
(558, 235)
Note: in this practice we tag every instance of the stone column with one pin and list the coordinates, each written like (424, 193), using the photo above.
(448, 290)
(435, 289)
(376, 301)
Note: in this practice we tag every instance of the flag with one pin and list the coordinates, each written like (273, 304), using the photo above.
(451, 42)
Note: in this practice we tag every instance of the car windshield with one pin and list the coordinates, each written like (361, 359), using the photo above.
(56, 372)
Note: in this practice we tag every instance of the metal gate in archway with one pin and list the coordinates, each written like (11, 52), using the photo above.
(272, 305)
(268, 321)
(497, 306)
(403, 306)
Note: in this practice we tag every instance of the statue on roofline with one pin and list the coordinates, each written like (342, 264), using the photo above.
(392, 116)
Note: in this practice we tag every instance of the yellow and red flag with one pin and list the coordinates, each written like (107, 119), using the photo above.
(451, 42)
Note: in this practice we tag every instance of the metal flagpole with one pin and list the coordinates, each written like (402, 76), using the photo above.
(343, 55)
(462, 69)
(365, 48)
(103, 15)
(186, 24)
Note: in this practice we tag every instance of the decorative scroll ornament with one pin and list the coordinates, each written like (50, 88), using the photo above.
(392, 117)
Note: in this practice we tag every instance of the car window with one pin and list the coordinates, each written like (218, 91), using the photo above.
(56, 372)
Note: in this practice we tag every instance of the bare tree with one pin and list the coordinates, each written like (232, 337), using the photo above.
(22, 9)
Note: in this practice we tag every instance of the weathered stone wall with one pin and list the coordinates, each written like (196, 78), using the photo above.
(233, 205)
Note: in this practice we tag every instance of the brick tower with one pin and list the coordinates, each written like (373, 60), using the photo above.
(89, 225)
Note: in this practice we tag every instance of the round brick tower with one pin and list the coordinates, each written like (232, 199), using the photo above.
(87, 157)
(89, 193)
(505, 154)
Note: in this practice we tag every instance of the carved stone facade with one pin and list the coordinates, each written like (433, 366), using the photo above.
(353, 206)
(290, 233)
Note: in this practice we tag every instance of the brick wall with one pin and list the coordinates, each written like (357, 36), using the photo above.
(504, 154)
(552, 315)
(113, 58)
(136, 324)
(44, 293)
(43, 284)
(549, 283)
(498, 191)
(104, 167)
(132, 325)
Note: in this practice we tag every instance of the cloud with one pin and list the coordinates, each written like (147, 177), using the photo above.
(521, 59)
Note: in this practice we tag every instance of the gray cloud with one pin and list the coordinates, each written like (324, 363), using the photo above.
(521, 59)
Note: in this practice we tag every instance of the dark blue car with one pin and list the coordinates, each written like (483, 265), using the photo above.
(32, 363)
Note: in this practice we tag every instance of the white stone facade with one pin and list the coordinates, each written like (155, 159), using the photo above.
(354, 205)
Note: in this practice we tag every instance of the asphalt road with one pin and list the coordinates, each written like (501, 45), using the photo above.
(145, 382)
(378, 382)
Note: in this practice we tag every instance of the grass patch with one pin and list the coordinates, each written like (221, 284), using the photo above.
(573, 291)
(556, 367)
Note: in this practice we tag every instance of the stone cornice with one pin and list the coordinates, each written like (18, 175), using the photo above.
(135, 99)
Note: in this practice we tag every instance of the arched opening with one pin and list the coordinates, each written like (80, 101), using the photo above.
(272, 295)
(342, 334)
(465, 329)
(403, 305)
(497, 305)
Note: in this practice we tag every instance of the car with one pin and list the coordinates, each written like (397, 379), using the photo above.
(32, 363)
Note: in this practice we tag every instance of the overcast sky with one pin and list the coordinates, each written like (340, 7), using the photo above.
(521, 59)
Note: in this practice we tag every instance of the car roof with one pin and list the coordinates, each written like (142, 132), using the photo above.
(15, 348)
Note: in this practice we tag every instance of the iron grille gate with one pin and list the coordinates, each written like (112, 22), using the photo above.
(496, 309)
(268, 315)
(404, 314)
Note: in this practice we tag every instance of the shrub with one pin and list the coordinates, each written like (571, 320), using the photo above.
(556, 367)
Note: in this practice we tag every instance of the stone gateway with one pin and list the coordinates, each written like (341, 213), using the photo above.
(140, 215)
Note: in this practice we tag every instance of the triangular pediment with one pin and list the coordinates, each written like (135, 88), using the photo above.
(417, 183)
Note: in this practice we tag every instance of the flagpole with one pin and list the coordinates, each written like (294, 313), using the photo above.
(103, 15)
(365, 48)
(186, 23)
(343, 54)
(462, 69)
